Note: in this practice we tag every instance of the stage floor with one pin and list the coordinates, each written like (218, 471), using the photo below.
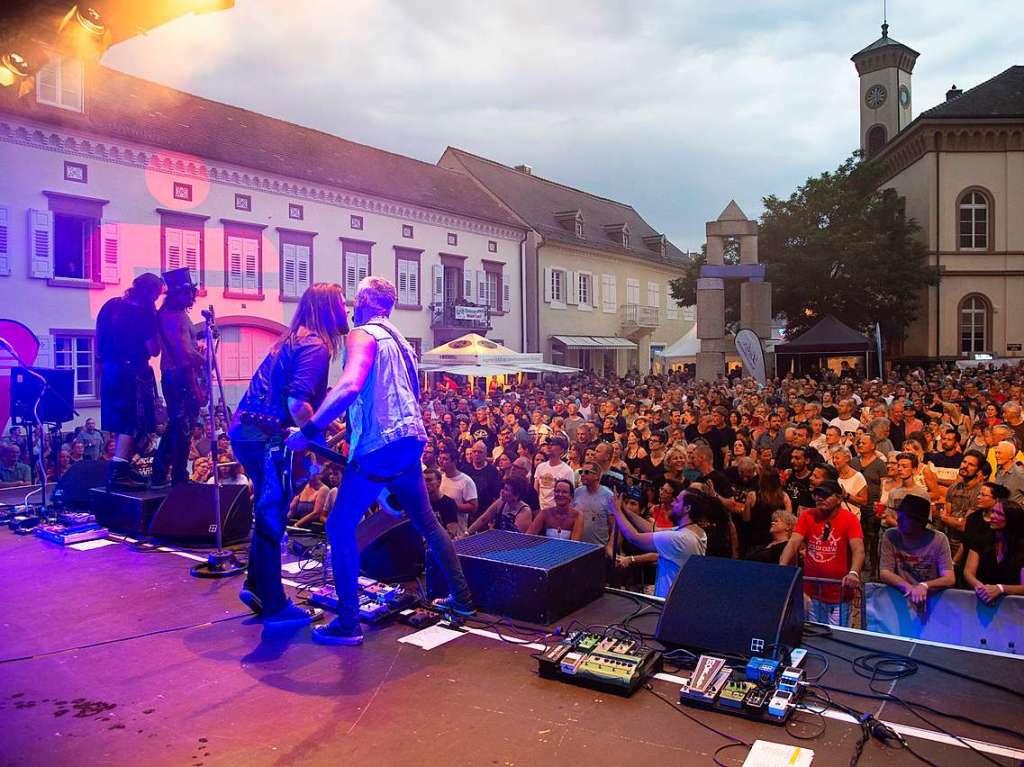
(114, 656)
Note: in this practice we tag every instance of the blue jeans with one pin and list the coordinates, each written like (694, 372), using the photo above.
(264, 465)
(399, 460)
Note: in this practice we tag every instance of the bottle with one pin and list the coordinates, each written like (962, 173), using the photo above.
(284, 545)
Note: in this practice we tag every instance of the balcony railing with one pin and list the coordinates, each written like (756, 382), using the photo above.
(636, 316)
(463, 315)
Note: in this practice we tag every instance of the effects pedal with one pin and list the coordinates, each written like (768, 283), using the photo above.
(756, 699)
(791, 678)
(735, 693)
(778, 706)
(418, 617)
(763, 671)
(606, 661)
(65, 535)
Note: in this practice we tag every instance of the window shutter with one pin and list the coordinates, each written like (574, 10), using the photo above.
(44, 357)
(71, 77)
(671, 307)
(251, 275)
(482, 293)
(547, 284)
(437, 290)
(234, 263)
(5, 238)
(572, 289)
(506, 295)
(414, 282)
(632, 291)
(350, 276)
(608, 299)
(172, 249)
(403, 282)
(110, 249)
(364, 266)
(467, 279)
(303, 268)
(40, 243)
(653, 294)
(594, 290)
(190, 254)
(289, 271)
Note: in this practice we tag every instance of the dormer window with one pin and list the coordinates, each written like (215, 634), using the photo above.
(618, 233)
(60, 84)
(571, 220)
(656, 243)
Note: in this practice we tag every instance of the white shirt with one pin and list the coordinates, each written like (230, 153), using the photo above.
(853, 485)
(847, 425)
(462, 489)
(544, 480)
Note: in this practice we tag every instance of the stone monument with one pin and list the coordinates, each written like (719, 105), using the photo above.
(755, 293)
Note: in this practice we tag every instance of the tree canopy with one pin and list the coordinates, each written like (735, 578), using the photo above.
(838, 245)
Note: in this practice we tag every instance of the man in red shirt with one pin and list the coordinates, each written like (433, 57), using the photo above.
(835, 552)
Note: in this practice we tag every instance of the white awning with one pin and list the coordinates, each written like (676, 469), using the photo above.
(594, 342)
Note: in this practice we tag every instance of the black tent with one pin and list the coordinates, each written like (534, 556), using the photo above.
(828, 338)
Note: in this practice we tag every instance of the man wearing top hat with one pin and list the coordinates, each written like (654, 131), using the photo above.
(181, 365)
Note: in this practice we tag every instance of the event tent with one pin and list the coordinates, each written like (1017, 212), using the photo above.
(828, 338)
(473, 355)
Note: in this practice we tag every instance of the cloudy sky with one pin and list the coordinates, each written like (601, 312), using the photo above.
(672, 106)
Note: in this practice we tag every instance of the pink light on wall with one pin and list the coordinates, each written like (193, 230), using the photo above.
(177, 181)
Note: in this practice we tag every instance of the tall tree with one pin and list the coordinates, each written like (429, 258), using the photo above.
(839, 245)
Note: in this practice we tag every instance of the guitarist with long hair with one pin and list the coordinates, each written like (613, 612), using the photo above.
(181, 370)
(379, 390)
(288, 387)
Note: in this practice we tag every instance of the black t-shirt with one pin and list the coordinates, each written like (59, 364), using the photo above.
(123, 329)
(488, 485)
(830, 412)
(298, 370)
(446, 510)
(718, 439)
(720, 480)
(481, 432)
(943, 461)
(799, 491)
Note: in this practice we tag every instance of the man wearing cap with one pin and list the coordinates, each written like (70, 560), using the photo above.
(835, 552)
(913, 558)
(126, 337)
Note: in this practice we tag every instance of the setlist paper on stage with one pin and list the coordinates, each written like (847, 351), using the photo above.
(764, 753)
(431, 637)
(99, 543)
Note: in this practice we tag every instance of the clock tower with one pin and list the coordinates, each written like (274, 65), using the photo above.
(884, 67)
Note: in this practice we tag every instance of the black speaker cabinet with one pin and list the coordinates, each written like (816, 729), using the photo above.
(126, 511)
(733, 606)
(528, 577)
(72, 490)
(390, 549)
(186, 515)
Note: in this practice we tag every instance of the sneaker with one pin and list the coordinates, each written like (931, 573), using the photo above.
(452, 605)
(336, 634)
(250, 600)
(292, 616)
(121, 476)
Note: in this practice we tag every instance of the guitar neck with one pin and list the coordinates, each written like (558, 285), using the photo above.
(327, 453)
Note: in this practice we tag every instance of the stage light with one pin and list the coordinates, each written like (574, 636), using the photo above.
(91, 19)
(20, 59)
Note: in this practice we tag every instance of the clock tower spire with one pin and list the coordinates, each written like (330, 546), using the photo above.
(884, 68)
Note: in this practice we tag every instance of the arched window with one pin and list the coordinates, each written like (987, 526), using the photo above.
(974, 317)
(975, 217)
(876, 140)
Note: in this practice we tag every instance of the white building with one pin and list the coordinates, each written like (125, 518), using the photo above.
(104, 176)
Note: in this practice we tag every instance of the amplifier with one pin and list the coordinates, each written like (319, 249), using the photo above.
(527, 577)
(127, 511)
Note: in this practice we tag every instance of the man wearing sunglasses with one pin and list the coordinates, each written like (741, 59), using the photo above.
(835, 552)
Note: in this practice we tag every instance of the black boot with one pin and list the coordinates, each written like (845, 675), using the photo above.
(121, 476)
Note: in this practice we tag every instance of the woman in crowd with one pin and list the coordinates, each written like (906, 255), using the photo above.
(995, 562)
(308, 505)
(508, 512)
(760, 507)
(675, 463)
(618, 464)
(503, 463)
(781, 530)
(924, 477)
(562, 520)
(660, 513)
(635, 453)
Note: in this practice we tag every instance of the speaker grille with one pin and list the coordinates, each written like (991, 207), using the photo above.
(511, 548)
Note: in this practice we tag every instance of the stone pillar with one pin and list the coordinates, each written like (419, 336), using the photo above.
(715, 250)
(748, 249)
(756, 314)
(710, 327)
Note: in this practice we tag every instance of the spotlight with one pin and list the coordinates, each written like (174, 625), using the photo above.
(91, 19)
(20, 59)
(16, 63)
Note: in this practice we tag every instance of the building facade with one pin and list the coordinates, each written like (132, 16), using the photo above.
(596, 273)
(106, 176)
(960, 168)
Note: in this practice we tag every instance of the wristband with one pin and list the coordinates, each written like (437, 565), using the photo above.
(855, 574)
(310, 430)
(1001, 589)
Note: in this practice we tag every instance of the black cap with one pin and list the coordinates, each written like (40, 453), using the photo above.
(828, 487)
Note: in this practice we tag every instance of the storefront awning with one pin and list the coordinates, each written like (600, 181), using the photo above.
(594, 342)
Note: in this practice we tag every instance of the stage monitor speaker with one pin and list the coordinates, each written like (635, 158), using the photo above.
(186, 515)
(72, 489)
(719, 605)
(55, 405)
(390, 549)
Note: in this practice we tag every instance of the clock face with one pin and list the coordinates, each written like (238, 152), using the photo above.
(904, 95)
(875, 96)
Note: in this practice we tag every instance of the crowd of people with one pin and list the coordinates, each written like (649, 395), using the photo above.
(916, 481)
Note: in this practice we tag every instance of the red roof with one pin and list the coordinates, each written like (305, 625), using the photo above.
(121, 106)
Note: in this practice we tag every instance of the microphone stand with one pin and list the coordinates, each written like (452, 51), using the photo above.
(221, 562)
(43, 511)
